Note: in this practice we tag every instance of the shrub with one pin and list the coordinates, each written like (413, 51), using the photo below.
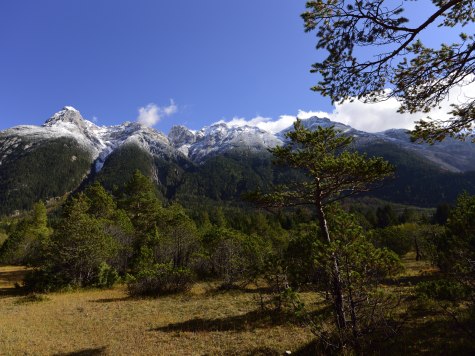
(299, 258)
(442, 289)
(50, 278)
(278, 296)
(107, 276)
(44, 279)
(399, 239)
(160, 279)
(232, 256)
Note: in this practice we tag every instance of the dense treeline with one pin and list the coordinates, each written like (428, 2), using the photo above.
(31, 176)
(95, 232)
(117, 231)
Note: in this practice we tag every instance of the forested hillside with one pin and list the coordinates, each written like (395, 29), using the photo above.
(46, 170)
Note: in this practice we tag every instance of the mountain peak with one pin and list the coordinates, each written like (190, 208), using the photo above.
(70, 108)
(180, 135)
(68, 114)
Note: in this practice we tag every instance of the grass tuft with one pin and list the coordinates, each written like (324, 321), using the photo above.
(32, 298)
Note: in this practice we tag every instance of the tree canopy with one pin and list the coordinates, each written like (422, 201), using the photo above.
(420, 77)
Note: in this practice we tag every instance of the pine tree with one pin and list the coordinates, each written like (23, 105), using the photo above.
(333, 173)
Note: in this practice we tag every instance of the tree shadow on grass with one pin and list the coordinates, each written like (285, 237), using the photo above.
(436, 337)
(255, 351)
(253, 320)
(411, 280)
(11, 278)
(11, 292)
(85, 352)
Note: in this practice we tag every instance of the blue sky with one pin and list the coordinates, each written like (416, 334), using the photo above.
(215, 59)
(186, 62)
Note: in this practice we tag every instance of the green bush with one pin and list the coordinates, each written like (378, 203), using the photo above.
(442, 289)
(299, 257)
(107, 276)
(232, 256)
(45, 279)
(399, 239)
(160, 279)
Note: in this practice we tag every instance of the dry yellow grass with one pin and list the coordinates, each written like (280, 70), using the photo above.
(96, 322)
(417, 268)
(107, 322)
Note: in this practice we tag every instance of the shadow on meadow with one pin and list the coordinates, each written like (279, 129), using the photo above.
(252, 320)
(85, 352)
(408, 281)
(433, 337)
(256, 351)
(8, 282)
(112, 300)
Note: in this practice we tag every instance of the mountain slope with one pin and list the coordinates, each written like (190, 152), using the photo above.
(219, 162)
(40, 170)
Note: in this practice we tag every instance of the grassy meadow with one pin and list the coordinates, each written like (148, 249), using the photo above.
(202, 322)
(107, 322)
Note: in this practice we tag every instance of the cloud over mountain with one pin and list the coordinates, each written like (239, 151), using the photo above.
(151, 114)
(369, 117)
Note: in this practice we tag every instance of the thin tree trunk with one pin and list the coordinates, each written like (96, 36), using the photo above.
(418, 252)
(336, 277)
(351, 301)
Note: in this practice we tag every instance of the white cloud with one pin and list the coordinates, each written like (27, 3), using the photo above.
(370, 117)
(374, 117)
(171, 109)
(152, 114)
(308, 114)
(264, 123)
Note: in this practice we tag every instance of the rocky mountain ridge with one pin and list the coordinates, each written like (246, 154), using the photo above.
(219, 162)
(197, 146)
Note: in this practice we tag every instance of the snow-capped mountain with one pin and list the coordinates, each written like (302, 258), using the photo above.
(99, 141)
(43, 162)
(219, 138)
(197, 146)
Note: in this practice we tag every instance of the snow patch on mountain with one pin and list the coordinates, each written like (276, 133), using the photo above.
(216, 139)
(219, 138)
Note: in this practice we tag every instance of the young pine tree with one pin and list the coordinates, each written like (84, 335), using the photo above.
(333, 173)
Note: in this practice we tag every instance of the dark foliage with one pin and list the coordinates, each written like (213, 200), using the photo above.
(45, 170)
(160, 279)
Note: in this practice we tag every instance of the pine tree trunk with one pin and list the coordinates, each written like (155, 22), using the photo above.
(336, 277)
(352, 306)
(418, 252)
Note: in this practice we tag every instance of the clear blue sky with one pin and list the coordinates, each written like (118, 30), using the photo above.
(216, 59)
